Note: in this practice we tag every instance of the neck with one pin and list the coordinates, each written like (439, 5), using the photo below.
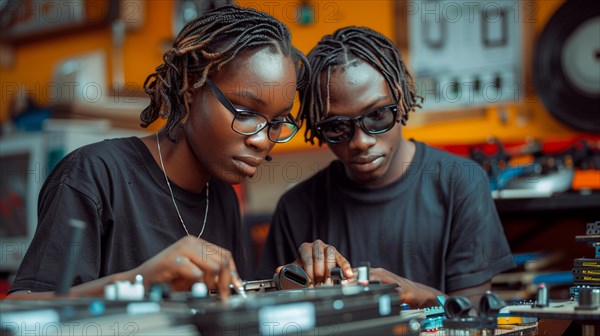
(408, 149)
(404, 156)
(181, 166)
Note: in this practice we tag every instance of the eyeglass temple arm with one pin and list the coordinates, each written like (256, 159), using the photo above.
(220, 96)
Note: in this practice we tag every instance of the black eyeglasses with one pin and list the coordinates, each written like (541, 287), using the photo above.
(248, 122)
(340, 129)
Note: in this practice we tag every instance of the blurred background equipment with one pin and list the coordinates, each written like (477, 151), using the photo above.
(586, 271)
(566, 65)
(22, 163)
(187, 10)
(466, 54)
(83, 92)
(37, 19)
(584, 305)
(537, 169)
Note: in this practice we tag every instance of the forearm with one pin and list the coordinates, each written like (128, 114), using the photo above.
(413, 293)
(421, 296)
(92, 288)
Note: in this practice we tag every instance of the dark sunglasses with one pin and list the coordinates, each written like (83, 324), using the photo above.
(248, 122)
(340, 129)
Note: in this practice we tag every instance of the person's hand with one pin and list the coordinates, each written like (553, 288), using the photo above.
(192, 260)
(415, 294)
(318, 258)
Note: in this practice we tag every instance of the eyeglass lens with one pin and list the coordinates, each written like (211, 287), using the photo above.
(248, 123)
(377, 121)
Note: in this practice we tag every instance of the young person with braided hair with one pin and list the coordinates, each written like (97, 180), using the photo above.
(423, 218)
(162, 206)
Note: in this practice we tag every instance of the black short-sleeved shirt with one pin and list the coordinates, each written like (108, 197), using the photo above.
(436, 225)
(117, 188)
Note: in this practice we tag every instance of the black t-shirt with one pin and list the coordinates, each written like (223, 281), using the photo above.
(436, 225)
(117, 188)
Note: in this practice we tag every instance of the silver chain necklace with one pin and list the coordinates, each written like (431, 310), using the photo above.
(162, 165)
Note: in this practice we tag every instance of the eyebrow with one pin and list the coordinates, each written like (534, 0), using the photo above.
(375, 102)
(371, 105)
(250, 95)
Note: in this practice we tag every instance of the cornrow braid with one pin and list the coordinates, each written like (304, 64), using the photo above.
(342, 48)
(204, 46)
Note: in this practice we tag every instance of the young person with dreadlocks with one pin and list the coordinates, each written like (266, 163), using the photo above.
(162, 206)
(423, 218)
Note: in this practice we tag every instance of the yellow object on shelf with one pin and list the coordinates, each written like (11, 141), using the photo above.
(515, 320)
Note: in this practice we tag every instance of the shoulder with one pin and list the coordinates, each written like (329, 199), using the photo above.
(452, 168)
(107, 150)
(433, 154)
(98, 160)
(111, 149)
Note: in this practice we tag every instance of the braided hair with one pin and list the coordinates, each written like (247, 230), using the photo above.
(204, 46)
(344, 47)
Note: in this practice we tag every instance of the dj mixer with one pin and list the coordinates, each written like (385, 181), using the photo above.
(284, 305)
(350, 310)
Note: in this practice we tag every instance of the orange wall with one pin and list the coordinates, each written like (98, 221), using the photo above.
(34, 62)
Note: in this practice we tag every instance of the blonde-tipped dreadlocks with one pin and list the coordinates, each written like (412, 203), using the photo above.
(205, 45)
(341, 48)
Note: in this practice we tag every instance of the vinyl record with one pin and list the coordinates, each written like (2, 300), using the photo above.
(566, 65)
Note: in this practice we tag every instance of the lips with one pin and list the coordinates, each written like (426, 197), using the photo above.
(249, 160)
(247, 165)
(364, 159)
(366, 164)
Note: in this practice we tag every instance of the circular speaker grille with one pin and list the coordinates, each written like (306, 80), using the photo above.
(566, 65)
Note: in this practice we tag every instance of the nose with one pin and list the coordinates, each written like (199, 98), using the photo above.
(260, 141)
(361, 140)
